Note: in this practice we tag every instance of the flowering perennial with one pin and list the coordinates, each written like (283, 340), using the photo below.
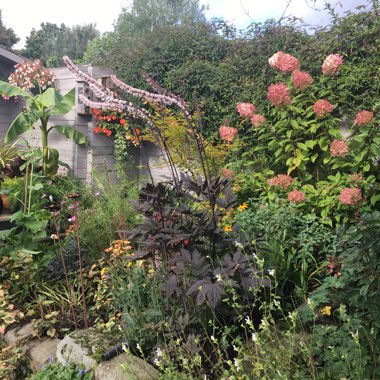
(339, 148)
(281, 180)
(363, 118)
(245, 109)
(227, 173)
(301, 79)
(350, 196)
(355, 178)
(331, 64)
(283, 62)
(258, 120)
(29, 75)
(227, 133)
(322, 107)
(296, 196)
(279, 94)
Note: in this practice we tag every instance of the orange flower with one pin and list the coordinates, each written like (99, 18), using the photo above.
(228, 228)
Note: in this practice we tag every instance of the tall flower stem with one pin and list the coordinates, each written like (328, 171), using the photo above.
(85, 318)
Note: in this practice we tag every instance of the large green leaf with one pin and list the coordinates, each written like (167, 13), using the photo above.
(10, 90)
(71, 133)
(21, 124)
(65, 105)
(49, 98)
(52, 156)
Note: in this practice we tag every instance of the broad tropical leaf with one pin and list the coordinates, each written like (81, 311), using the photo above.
(52, 156)
(71, 133)
(65, 105)
(10, 90)
(21, 124)
(49, 98)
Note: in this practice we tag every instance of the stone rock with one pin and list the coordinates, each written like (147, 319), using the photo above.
(125, 367)
(41, 351)
(81, 347)
(19, 333)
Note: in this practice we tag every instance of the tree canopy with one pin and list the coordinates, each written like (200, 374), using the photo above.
(8, 37)
(51, 42)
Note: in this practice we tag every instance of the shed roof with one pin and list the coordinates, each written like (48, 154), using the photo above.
(10, 57)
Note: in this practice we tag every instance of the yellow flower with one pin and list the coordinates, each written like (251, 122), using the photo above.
(228, 228)
(103, 271)
(326, 310)
(243, 206)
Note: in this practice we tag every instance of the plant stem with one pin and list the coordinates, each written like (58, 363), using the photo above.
(85, 319)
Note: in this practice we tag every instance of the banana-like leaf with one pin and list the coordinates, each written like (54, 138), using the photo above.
(21, 124)
(71, 133)
(52, 156)
(10, 90)
(65, 105)
(49, 98)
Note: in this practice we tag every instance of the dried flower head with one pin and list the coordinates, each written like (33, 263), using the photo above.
(258, 120)
(281, 180)
(283, 62)
(339, 148)
(331, 64)
(227, 133)
(350, 196)
(296, 196)
(279, 94)
(301, 79)
(245, 109)
(226, 173)
(363, 118)
(322, 107)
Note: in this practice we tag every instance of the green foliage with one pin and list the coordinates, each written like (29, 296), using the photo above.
(39, 108)
(56, 370)
(8, 37)
(51, 42)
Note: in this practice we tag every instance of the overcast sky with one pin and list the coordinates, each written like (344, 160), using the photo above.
(23, 15)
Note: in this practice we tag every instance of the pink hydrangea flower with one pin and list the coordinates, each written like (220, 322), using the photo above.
(301, 79)
(296, 196)
(281, 180)
(258, 120)
(350, 196)
(227, 133)
(364, 117)
(245, 109)
(331, 64)
(339, 148)
(279, 94)
(356, 177)
(322, 107)
(283, 62)
(227, 173)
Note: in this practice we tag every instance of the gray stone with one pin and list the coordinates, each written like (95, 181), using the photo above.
(41, 351)
(81, 347)
(125, 367)
(19, 333)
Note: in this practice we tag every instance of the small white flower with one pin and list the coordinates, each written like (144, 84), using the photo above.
(237, 364)
(54, 237)
(272, 272)
(219, 277)
(158, 353)
(254, 337)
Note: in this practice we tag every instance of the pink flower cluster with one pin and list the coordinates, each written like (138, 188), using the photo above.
(245, 109)
(338, 148)
(283, 62)
(279, 94)
(331, 64)
(322, 107)
(227, 133)
(226, 173)
(258, 120)
(350, 196)
(356, 178)
(31, 74)
(301, 79)
(296, 196)
(364, 117)
(281, 180)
